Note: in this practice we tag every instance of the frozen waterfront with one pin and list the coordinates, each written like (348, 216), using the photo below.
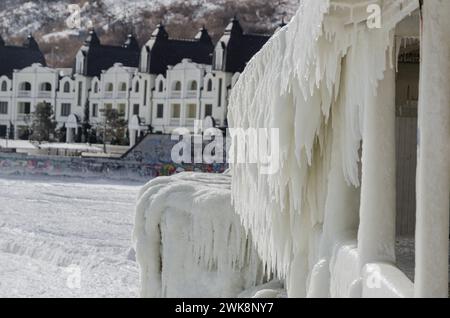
(67, 238)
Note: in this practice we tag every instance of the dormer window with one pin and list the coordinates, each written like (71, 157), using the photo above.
(177, 86)
(193, 86)
(123, 87)
(66, 88)
(109, 87)
(161, 86)
(45, 87)
(136, 87)
(4, 86)
(25, 86)
(209, 86)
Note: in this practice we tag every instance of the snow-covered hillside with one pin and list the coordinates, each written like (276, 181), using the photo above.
(113, 19)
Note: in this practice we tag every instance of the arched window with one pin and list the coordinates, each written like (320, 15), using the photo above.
(25, 86)
(193, 86)
(136, 87)
(66, 87)
(45, 87)
(4, 86)
(209, 86)
(177, 86)
(123, 87)
(109, 87)
(96, 87)
(161, 86)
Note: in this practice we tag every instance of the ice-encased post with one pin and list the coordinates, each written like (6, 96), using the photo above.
(433, 168)
(376, 235)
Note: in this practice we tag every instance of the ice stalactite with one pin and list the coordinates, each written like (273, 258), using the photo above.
(312, 81)
(189, 241)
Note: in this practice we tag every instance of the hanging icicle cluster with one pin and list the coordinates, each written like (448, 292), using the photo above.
(311, 81)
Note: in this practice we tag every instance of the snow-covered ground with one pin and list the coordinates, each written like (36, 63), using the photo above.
(67, 238)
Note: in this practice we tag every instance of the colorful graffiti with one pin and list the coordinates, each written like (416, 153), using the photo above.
(15, 164)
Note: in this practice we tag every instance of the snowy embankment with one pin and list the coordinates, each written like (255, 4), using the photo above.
(66, 238)
(190, 243)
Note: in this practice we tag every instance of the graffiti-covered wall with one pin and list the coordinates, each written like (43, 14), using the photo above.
(23, 165)
(158, 148)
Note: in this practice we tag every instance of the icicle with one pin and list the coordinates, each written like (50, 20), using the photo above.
(292, 85)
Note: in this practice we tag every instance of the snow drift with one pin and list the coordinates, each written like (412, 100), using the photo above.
(189, 241)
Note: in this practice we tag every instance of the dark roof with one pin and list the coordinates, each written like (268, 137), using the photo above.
(240, 47)
(101, 57)
(18, 57)
(165, 51)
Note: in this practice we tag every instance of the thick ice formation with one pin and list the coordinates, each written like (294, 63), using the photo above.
(189, 241)
(312, 81)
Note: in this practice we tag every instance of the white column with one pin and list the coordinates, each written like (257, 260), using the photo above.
(69, 135)
(433, 170)
(132, 137)
(376, 235)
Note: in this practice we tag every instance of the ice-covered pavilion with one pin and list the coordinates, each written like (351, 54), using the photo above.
(330, 83)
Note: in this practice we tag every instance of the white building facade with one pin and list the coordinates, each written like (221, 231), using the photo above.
(166, 84)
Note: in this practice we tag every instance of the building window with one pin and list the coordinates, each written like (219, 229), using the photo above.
(123, 87)
(160, 111)
(96, 87)
(176, 110)
(94, 110)
(209, 86)
(108, 107)
(45, 87)
(136, 109)
(220, 93)
(136, 87)
(3, 108)
(3, 131)
(80, 92)
(65, 110)
(177, 86)
(121, 109)
(24, 108)
(208, 110)
(193, 86)
(25, 86)
(192, 111)
(4, 86)
(66, 87)
(109, 87)
(161, 86)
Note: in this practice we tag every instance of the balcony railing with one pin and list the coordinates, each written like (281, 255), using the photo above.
(191, 94)
(189, 122)
(176, 94)
(108, 94)
(175, 122)
(122, 95)
(23, 117)
(24, 94)
(45, 94)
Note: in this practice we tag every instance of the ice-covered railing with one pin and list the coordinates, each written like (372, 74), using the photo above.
(189, 241)
(316, 81)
